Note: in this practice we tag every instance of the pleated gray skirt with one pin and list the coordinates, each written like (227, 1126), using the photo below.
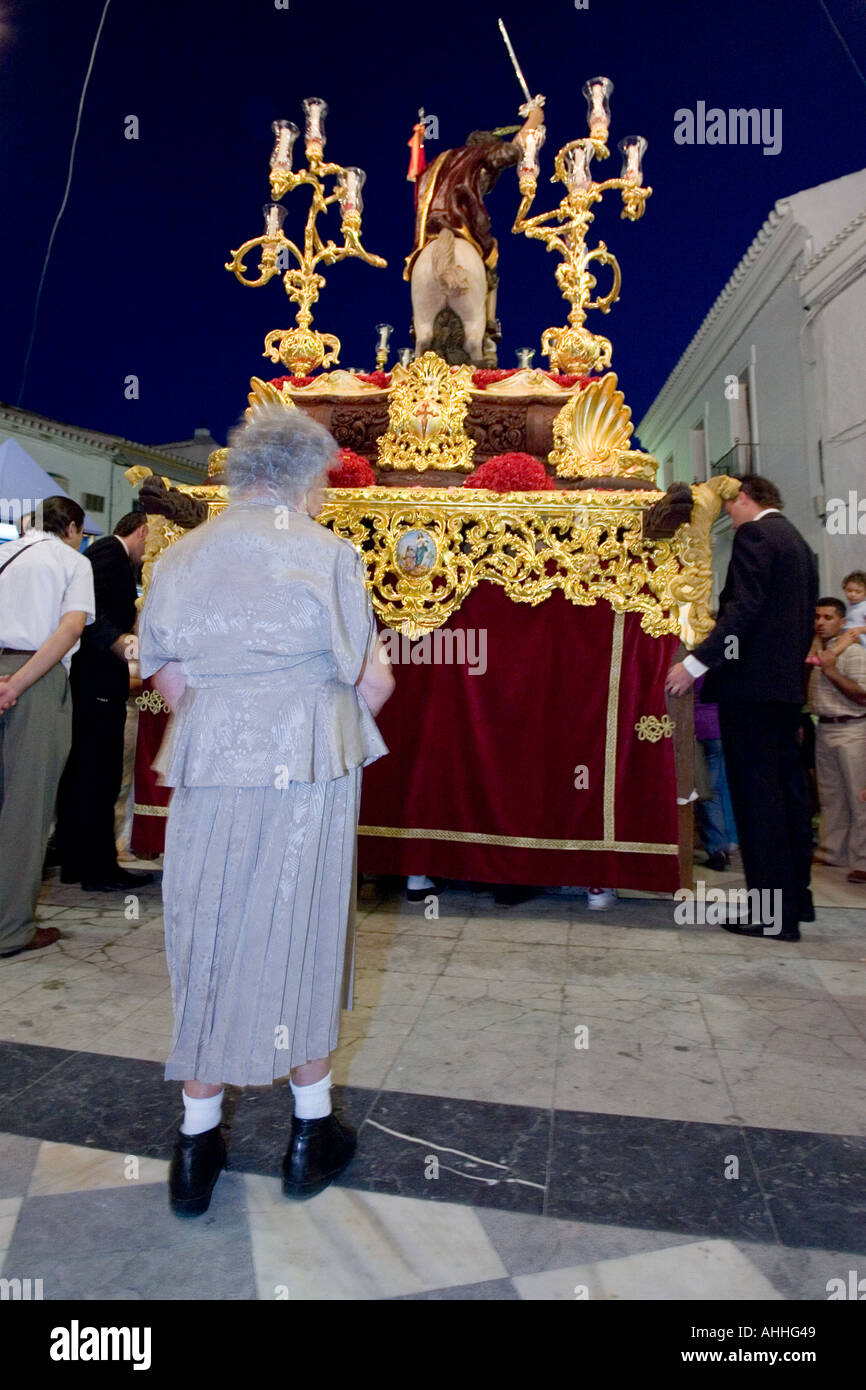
(259, 893)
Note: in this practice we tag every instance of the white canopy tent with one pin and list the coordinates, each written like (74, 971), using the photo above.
(24, 483)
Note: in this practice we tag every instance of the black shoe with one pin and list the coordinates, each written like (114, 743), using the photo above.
(122, 878)
(806, 912)
(512, 894)
(318, 1151)
(760, 931)
(720, 860)
(196, 1163)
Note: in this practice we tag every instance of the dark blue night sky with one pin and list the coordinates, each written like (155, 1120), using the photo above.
(136, 281)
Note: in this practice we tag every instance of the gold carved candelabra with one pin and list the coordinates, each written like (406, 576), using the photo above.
(573, 348)
(303, 348)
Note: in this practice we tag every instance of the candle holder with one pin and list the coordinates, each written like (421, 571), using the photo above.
(303, 349)
(384, 330)
(572, 348)
(598, 91)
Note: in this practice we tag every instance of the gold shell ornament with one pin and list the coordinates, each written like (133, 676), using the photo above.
(592, 433)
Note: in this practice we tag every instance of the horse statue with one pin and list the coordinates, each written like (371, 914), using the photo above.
(449, 274)
(452, 267)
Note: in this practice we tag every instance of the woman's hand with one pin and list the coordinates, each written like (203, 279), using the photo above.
(376, 682)
(170, 681)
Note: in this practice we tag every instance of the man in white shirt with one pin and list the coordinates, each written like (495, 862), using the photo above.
(46, 600)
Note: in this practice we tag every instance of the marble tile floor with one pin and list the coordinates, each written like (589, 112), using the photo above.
(551, 1099)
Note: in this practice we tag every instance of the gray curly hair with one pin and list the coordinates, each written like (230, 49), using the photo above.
(278, 453)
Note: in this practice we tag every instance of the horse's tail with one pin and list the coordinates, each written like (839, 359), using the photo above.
(451, 277)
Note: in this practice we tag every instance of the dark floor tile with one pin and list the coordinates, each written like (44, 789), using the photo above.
(659, 1174)
(17, 1160)
(118, 1220)
(23, 1064)
(489, 1291)
(114, 1103)
(803, 1274)
(516, 1137)
(220, 1274)
(814, 1187)
(124, 1244)
(534, 1244)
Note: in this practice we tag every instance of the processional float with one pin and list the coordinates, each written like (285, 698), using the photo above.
(594, 528)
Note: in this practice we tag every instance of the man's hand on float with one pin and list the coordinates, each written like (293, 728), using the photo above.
(678, 681)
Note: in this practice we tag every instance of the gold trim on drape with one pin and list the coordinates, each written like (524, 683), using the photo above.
(612, 716)
(473, 837)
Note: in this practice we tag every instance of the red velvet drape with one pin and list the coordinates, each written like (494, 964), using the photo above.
(501, 777)
(151, 800)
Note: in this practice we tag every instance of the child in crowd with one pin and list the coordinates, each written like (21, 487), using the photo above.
(854, 589)
(854, 626)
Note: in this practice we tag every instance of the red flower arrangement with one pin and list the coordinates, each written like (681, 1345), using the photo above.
(381, 379)
(487, 376)
(353, 471)
(512, 473)
(281, 381)
(563, 379)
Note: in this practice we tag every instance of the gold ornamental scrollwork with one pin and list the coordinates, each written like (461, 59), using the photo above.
(425, 418)
(151, 702)
(588, 545)
(651, 729)
(691, 588)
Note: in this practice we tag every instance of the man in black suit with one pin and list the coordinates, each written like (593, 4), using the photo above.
(99, 680)
(755, 659)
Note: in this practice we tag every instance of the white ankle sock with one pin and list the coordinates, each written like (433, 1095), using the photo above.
(312, 1102)
(201, 1113)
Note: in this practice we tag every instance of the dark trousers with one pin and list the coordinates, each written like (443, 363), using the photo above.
(768, 789)
(90, 786)
(34, 742)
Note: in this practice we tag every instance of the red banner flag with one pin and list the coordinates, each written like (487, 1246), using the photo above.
(417, 161)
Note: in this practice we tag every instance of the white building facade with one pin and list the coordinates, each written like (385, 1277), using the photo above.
(774, 381)
(90, 466)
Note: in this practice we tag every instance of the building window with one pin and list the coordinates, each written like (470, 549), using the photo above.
(741, 427)
(92, 502)
(698, 449)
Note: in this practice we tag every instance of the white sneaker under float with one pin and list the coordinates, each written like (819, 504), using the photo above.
(600, 899)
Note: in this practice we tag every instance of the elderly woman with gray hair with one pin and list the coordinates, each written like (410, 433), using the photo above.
(259, 633)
